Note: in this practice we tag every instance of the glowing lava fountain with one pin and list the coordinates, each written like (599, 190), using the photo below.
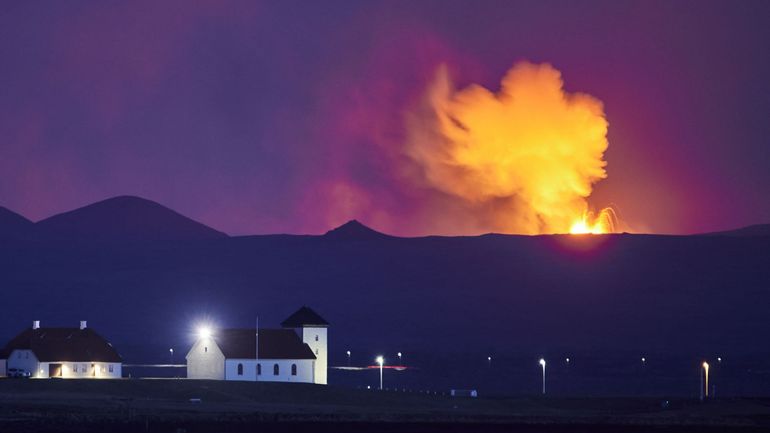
(601, 223)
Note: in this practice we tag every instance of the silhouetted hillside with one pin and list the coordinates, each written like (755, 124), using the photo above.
(13, 225)
(124, 218)
(753, 230)
(354, 230)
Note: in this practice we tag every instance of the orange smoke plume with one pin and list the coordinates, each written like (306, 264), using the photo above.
(524, 159)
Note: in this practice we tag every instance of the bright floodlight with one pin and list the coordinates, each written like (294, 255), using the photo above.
(204, 332)
(399, 354)
(348, 353)
(542, 362)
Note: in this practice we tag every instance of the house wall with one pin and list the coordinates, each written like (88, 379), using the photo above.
(205, 360)
(305, 370)
(317, 339)
(24, 359)
(82, 370)
(2, 368)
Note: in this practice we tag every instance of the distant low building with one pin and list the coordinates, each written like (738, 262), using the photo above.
(76, 353)
(296, 353)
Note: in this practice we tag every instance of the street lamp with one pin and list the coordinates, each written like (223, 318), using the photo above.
(380, 360)
(399, 359)
(348, 352)
(542, 364)
(171, 351)
(706, 374)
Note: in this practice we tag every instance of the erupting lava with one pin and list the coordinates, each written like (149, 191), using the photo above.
(520, 160)
(589, 223)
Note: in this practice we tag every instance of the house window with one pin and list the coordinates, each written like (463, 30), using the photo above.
(74, 368)
(205, 350)
(316, 351)
(240, 369)
(110, 368)
(316, 338)
(294, 369)
(259, 369)
(83, 368)
(275, 370)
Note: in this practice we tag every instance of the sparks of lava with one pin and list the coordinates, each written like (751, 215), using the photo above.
(589, 223)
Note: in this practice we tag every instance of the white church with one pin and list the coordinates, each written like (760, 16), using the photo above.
(295, 353)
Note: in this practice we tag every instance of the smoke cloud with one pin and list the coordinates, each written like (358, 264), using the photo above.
(523, 159)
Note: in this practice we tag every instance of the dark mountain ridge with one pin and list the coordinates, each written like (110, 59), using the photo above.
(752, 230)
(120, 219)
(131, 218)
(354, 230)
(13, 225)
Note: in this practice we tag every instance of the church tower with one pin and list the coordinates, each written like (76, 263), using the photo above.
(312, 328)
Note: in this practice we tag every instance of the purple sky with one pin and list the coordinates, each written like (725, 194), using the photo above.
(281, 117)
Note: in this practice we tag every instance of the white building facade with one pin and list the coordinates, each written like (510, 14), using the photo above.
(312, 328)
(269, 355)
(68, 353)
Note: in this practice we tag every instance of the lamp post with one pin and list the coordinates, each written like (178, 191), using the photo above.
(348, 352)
(706, 374)
(380, 360)
(171, 355)
(542, 364)
(399, 359)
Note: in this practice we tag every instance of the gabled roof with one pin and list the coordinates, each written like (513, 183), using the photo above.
(304, 317)
(63, 344)
(273, 344)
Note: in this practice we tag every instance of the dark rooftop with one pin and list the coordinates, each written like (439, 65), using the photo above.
(273, 344)
(63, 344)
(303, 317)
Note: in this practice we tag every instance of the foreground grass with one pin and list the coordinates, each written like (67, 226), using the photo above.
(165, 405)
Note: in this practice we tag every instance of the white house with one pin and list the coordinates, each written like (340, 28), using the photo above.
(72, 353)
(296, 353)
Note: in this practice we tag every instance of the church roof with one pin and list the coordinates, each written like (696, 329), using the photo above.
(273, 344)
(303, 317)
(63, 344)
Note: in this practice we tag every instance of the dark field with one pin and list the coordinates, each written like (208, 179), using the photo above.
(165, 406)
